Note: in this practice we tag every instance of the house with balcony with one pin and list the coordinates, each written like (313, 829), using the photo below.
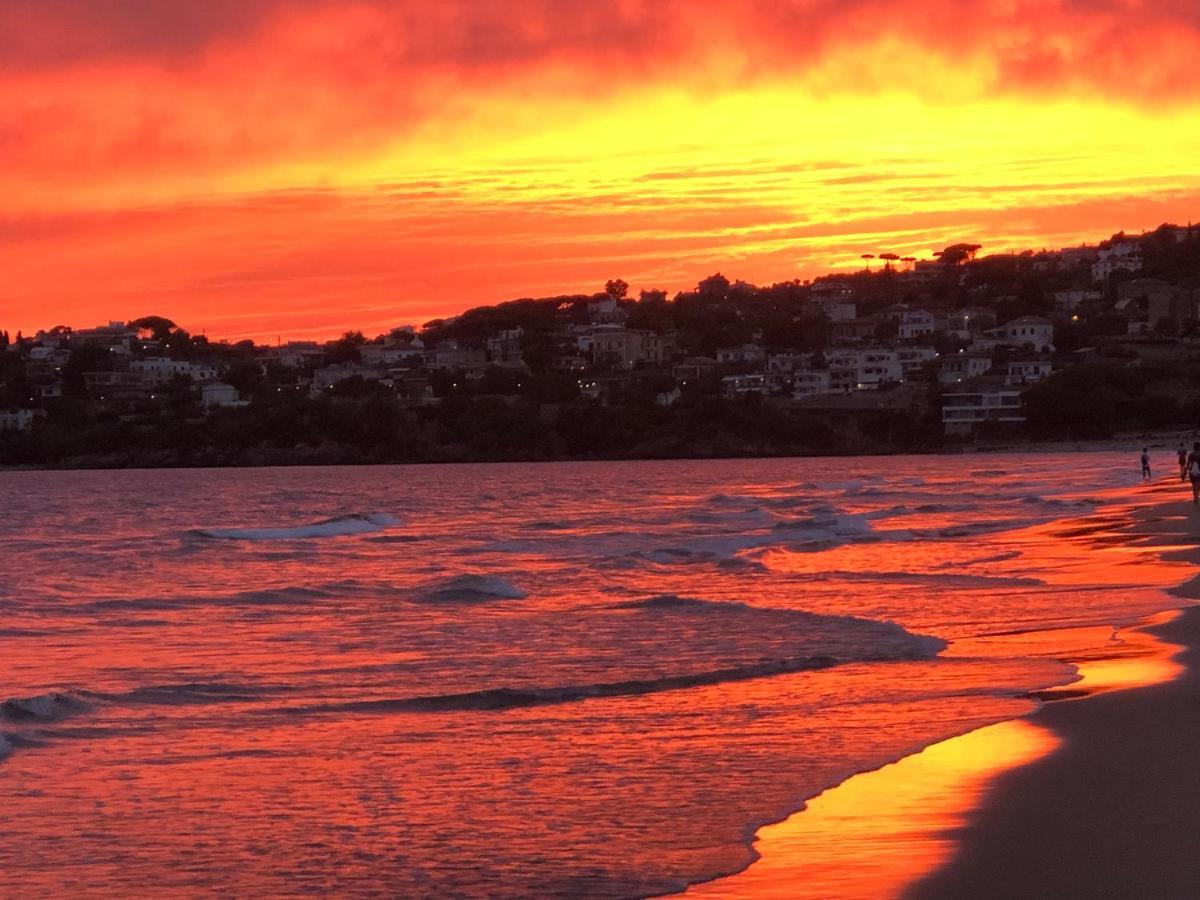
(1027, 371)
(1118, 256)
(959, 367)
(733, 386)
(1028, 331)
(964, 412)
(915, 323)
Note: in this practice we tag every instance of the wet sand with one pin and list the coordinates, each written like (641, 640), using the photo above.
(1115, 810)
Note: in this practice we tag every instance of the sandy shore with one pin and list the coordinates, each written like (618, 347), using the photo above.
(1115, 810)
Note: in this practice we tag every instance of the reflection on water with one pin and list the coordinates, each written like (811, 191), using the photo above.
(517, 680)
(879, 832)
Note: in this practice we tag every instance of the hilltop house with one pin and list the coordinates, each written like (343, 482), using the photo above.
(1029, 331)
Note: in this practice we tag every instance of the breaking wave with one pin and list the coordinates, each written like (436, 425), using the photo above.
(472, 589)
(41, 708)
(339, 526)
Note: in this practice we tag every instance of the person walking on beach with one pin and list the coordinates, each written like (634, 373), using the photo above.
(1145, 464)
(1183, 462)
(1194, 472)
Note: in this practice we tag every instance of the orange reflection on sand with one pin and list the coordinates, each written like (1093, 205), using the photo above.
(1142, 659)
(877, 832)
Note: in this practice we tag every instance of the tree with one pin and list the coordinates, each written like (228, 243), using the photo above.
(868, 257)
(958, 254)
(714, 287)
(888, 259)
(158, 327)
(617, 289)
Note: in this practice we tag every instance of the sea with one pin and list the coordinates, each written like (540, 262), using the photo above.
(547, 680)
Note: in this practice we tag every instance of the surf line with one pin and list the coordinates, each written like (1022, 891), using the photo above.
(879, 832)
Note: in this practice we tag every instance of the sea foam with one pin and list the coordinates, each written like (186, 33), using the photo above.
(339, 526)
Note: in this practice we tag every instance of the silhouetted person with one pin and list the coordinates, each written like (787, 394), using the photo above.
(1194, 471)
(1145, 464)
(1183, 462)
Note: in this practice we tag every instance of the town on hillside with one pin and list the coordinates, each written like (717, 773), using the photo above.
(903, 354)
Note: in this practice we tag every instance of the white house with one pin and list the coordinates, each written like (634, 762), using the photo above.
(913, 358)
(1119, 256)
(1027, 371)
(159, 369)
(216, 394)
(914, 323)
(961, 367)
(863, 370)
(1032, 331)
(747, 353)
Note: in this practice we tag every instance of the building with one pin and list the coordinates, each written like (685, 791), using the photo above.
(963, 413)
(625, 348)
(504, 347)
(114, 334)
(1069, 301)
(743, 355)
(811, 383)
(325, 378)
(913, 359)
(16, 419)
(392, 354)
(451, 357)
(863, 370)
(216, 394)
(112, 386)
(970, 320)
(834, 306)
(154, 370)
(743, 385)
(1029, 331)
(606, 311)
(914, 323)
(693, 369)
(1027, 371)
(961, 367)
(299, 354)
(853, 330)
(1150, 301)
(1119, 256)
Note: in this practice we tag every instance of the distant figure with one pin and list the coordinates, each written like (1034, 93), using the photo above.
(1183, 462)
(1145, 464)
(1194, 471)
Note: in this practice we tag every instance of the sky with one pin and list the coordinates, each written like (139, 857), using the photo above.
(297, 168)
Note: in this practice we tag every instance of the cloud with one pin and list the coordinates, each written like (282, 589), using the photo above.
(236, 84)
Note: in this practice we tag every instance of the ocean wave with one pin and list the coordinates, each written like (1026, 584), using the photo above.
(49, 707)
(472, 589)
(934, 578)
(191, 693)
(339, 526)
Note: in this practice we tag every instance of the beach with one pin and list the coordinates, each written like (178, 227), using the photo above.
(1094, 793)
(1114, 811)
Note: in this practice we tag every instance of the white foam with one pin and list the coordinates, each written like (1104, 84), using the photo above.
(336, 527)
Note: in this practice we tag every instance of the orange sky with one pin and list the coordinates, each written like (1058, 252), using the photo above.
(261, 168)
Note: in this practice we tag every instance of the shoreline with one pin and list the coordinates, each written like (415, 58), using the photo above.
(1123, 444)
(971, 851)
(1116, 809)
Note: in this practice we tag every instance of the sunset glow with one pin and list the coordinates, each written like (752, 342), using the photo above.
(266, 168)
